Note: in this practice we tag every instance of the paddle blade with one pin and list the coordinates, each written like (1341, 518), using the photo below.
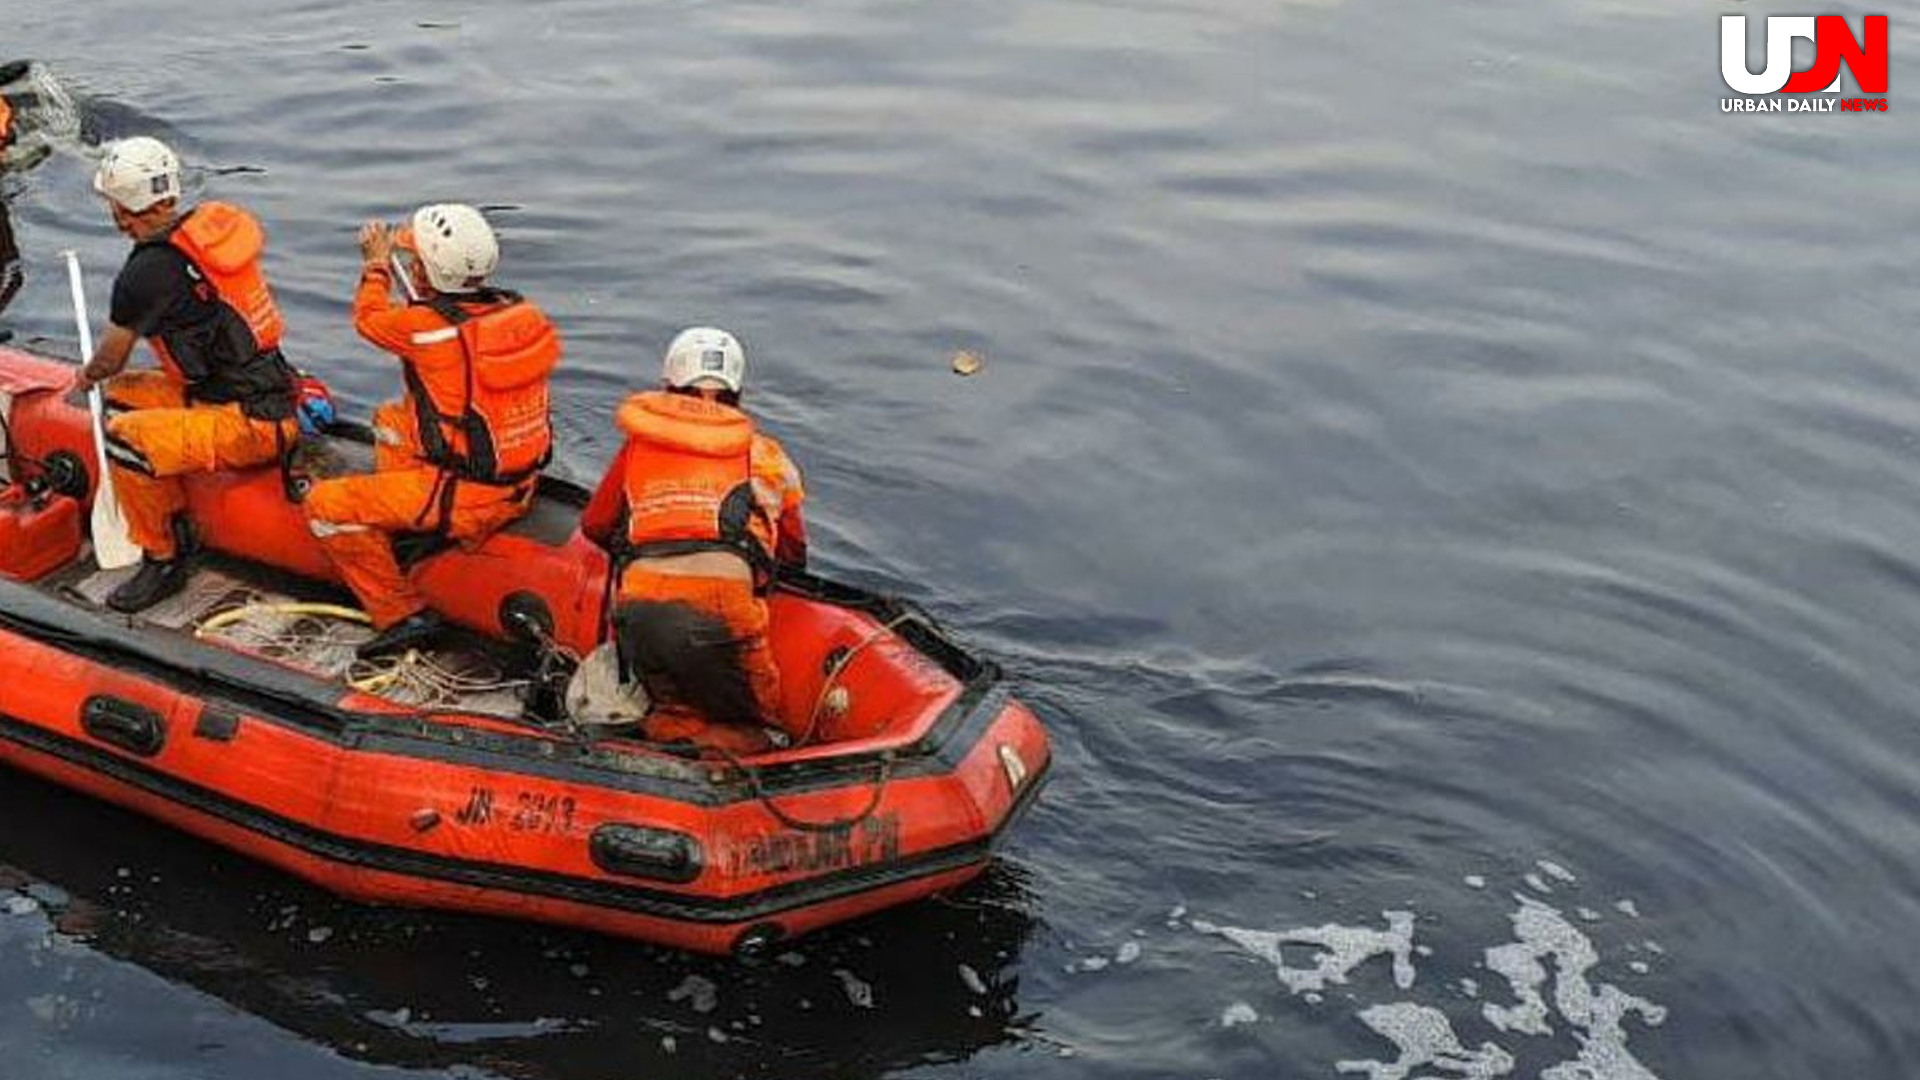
(113, 546)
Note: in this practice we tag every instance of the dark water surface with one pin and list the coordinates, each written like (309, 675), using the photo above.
(1429, 460)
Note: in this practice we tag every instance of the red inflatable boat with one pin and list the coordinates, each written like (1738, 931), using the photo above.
(474, 799)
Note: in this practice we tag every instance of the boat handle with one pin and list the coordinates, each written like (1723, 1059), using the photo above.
(130, 726)
(639, 851)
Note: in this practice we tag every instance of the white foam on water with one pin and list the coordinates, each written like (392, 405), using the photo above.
(1475, 881)
(1425, 1039)
(1547, 968)
(1594, 1013)
(1342, 948)
(972, 980)
(1129, 952)
(1520, 966)
(1555, 870)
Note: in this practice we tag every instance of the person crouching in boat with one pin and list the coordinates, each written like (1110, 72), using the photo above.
(223, 397)
(699, 510)
(460, 454)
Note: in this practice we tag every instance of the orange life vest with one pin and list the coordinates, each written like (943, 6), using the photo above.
(224, 244)
(6, 121)
(487, 419)
(240, 361)
(689, 482)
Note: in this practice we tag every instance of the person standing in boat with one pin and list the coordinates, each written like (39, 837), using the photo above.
(459, 455)
(699, 511)
(224, 395)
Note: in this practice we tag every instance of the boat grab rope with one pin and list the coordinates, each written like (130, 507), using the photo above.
(841, 665)
(882, 777)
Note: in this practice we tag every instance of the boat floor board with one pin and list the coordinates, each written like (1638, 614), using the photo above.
(478, 671)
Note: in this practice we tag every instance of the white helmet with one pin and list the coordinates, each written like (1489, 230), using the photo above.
(137, 173)
(705, 354)
(455, 243)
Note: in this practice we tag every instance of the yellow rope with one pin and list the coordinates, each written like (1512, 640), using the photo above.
(234, 615)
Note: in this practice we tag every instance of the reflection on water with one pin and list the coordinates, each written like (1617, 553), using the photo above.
(413, 989)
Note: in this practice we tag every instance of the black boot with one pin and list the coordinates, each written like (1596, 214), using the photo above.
(413, 632)
(157, 580)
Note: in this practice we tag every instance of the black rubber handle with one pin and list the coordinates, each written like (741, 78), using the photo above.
(125, 724)
(637, 851)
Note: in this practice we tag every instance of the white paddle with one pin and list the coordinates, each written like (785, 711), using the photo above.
(113, 548)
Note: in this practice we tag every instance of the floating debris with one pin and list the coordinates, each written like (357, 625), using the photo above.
(859, 992)
(700, 994)
(972, 981)
(669, 1044)
(967, 363)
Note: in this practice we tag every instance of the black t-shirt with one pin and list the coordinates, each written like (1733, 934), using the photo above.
(160, 294)
(156, 292)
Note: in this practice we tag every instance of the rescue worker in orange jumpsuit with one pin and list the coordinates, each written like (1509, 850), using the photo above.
(700, 510)
(460, 454)
(223, 397)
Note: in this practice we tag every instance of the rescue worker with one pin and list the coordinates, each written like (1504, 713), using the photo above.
(11, 276)
(223, 397)
(700, 510)
(459, 455)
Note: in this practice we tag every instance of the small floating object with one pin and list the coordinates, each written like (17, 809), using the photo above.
(967, 363)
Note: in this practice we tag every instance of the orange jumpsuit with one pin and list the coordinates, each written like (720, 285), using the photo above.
(354, 517)
(224, 396)
(683, 457)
